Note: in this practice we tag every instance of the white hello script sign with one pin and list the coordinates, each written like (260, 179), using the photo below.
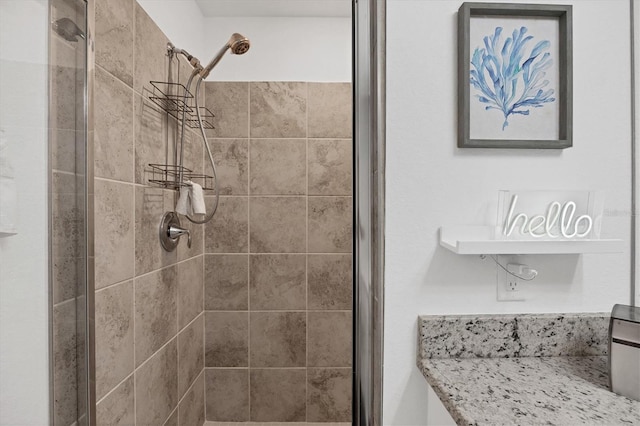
(549, 215)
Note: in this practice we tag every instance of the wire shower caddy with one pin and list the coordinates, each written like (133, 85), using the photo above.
(170, 98)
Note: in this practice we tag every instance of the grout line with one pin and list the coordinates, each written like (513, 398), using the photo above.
(249, 250)
(306, 287)
(204, 335)
(191, 386)
(145, 274)
(146, 361)
(66, 173)
(133, 286)
(129, 376)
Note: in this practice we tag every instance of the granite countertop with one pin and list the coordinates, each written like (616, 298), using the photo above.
(522, 369)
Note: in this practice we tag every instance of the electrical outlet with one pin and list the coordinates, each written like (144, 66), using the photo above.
(510, 288)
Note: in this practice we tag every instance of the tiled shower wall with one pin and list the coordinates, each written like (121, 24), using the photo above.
(149, 317)
(278, 254)
(276, 259)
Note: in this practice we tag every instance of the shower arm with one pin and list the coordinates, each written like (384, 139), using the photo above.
(193, 61)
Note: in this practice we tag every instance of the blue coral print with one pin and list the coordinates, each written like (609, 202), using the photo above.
(509, 79)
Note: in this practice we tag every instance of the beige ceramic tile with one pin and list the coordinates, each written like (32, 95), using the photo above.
(226, 339)
(232, 164)
(330, 106)
(278, 339)
(63, 149)
(114, 38)
(191, 408)
(67, 231)
(229, 102)
(329, 339)
(64, 362)
(114, 336)
(278, 282)
(227, 393)
(150, 52)
(197, 231)
(64, 92)
(194, 154)
(330, 225)
(157, 386)
(190, 354)
(150, 139)
(278, 224)
(329, 283)
(278, 110)
(113, 138)
(226, 282)
(63, 83)
(329, 395)
(114, 232)
(228, 231)
(151, 204)
(278, 166)
(278, 395)
(81, 355)
(117, 409)
(65, 281)
(173, 418)
(190, 290)
(155, 311)
(330, 165)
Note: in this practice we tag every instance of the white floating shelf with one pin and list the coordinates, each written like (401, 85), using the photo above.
(480, 240)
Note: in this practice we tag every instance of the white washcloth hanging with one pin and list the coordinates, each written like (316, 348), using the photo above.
(182, 206)
(197, 199)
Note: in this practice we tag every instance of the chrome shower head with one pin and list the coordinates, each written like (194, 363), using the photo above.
(238, 44)
(67, 29)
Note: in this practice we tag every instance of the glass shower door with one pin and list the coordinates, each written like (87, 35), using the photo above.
(68, 205)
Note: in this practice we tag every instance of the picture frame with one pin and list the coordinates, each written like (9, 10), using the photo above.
(515, 76)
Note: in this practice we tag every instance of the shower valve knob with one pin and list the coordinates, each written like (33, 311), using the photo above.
(171, 231)
(176, 232)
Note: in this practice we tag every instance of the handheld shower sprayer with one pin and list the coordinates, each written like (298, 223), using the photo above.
(238, 44)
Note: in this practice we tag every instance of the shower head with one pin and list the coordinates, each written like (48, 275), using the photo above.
(238, 44)
(67, 29)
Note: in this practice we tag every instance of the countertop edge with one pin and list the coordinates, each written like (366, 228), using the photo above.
(444, 396)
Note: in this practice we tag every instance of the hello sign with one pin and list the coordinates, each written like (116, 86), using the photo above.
(548, 215)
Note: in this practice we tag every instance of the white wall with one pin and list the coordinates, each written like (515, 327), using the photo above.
(24, 335)
(283, 49)
(181, 21)
(431, 183)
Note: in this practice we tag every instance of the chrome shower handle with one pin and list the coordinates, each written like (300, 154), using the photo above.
(176, 232)
(171, 231)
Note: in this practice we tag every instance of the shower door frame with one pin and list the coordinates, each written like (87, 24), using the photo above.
(369, 32)
(89, 391)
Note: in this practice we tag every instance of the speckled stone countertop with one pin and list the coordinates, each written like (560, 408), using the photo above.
(522, 369)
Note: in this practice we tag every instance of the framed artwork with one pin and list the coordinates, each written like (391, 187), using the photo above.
(515, 76)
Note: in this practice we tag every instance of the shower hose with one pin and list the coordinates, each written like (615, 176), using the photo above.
(216, 187)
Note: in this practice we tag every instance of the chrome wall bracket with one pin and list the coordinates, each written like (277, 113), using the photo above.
(171, 231)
